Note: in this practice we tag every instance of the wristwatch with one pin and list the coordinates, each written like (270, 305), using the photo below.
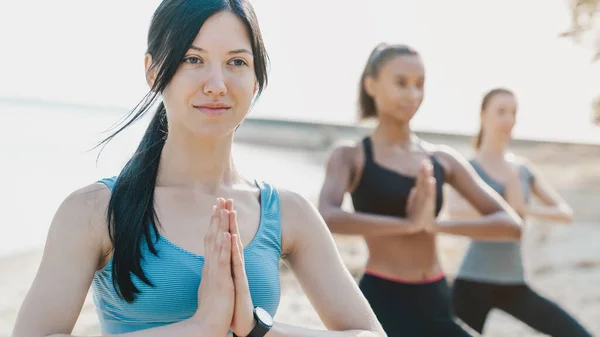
(264, 322)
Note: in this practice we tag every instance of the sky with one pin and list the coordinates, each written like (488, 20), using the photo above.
(92, 53)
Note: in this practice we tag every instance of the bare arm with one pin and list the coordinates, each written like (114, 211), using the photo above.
(75, 244)
(457, 207)
(320, 271)
(498, 221)
(337, 181)
(553, 207)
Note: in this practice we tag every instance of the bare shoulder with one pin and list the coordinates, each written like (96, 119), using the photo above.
(345, 164)
(298, 215)
(346, 151)
(445, 152)
(518, 161)
(448, 156)
(88, 202)
(82, 216)
(294, 203)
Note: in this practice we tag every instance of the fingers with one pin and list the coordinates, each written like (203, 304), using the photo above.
(227, 208)
(426, 170)
(221, 203)
(421, 175)
(237, 251)
(211, 233)
(239, 272)
(229, 204)
(237, 246)
(218, 243)
(225, 253)
(233, 224)
(220, 222)
(431, 185)
(224, 224)
(425, 175)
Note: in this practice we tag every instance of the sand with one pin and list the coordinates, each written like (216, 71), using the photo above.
(568, 276)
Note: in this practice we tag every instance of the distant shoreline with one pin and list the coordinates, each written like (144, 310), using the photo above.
(290, 125)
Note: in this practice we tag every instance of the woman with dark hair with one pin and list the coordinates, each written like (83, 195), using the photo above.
(492, 274)
(137, 238)
(395, 181)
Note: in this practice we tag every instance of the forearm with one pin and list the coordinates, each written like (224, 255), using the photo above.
(550, 213)
(356, 223)
(186, 328)
(498, 226)
(284, 330)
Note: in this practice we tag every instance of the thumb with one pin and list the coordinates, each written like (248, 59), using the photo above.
(431, 187)
(237, 261)
(411, 198)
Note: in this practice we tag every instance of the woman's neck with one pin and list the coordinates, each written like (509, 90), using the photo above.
(191, 160)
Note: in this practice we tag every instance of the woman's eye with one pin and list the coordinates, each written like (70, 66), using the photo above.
(238, 63)
(193, 60)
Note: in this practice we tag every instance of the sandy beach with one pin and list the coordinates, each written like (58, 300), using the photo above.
(567, 278)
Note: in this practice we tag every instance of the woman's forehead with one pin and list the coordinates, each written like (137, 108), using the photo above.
(223, 32)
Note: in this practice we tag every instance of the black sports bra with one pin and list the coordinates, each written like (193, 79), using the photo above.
(383, 191)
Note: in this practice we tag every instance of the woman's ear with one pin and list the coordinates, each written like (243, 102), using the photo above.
(369, 85)
(150, 71)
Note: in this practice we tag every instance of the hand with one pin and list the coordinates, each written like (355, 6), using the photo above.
(431, 225)
(216, 294)
(243, 316)
(421, 201)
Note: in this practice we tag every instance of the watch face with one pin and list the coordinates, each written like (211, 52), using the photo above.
(264, 316)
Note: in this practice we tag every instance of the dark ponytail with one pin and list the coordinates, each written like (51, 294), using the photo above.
(484, 103)
(380, 54)
(131, 216)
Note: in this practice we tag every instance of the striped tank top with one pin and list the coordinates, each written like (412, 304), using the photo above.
(496, 262)
(176, 274)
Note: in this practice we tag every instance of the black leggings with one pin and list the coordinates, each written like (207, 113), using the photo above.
(411, 310)
(472, 301)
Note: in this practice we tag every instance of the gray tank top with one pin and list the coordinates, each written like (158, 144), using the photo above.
(496, 262)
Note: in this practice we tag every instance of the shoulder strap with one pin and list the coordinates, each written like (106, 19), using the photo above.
(368, 146)
(109, 182)
(269, 231)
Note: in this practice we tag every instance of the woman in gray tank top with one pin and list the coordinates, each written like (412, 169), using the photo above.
(491, 274)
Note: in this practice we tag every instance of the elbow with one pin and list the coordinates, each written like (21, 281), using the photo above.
(567, 214)
(514, 228)
(515, 232)
(567, 218)
(508, 232)
(510, 227)
(328, 215)
(325, 213)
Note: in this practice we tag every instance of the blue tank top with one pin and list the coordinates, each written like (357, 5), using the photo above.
(496, 262)
(176, 275)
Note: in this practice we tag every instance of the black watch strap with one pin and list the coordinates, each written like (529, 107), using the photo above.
(260, 329)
